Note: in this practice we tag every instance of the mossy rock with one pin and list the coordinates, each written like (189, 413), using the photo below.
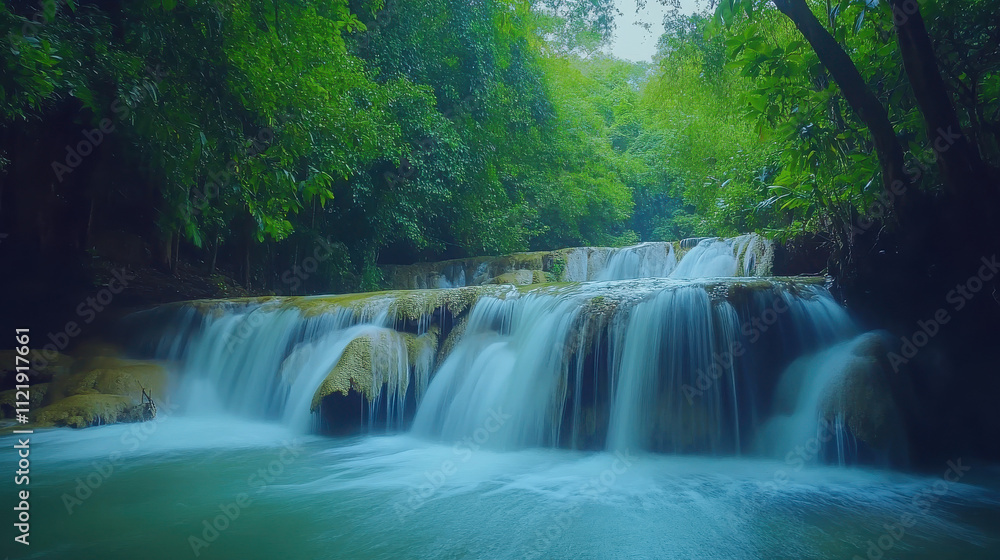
(111, 376)
(755, 255)
(354, 372)
(522, 277)
(81, 411)
(865, 397)
(404, 304)
(452, 339)
(91, 349)
(417, 345)
(44, 364)
(8, 399)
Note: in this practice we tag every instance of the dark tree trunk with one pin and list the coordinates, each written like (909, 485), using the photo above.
(176, 254)
(215, 256)
(853, 86)
(963, 169)
(246, 262)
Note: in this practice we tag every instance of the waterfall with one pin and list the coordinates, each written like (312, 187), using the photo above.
(829, 401)
(646, 260)
(510, 361)
(649, 353)
(267, 360)
(676, 374)
(745, 255)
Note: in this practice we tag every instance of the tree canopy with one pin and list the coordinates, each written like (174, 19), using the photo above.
(239, 135)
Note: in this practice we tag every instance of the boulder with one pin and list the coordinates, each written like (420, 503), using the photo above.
(8, 399)
(110, 376)
(81, 411)
(864, 394)
(354, 371)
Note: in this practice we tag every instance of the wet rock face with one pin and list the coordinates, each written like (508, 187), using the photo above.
(864, 395)
(522, 277)
(862, 399)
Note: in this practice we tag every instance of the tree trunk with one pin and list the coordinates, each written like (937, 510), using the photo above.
(246, 263)
(215, 256)
(964, 171)
(176, 254)
(855, 90)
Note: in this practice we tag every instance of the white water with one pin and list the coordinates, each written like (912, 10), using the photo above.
(389, 497)
(746, 255)
(714, 257)
(622, 366)
(657, 370)
(265, 361)
(509, 362)
(646, 260)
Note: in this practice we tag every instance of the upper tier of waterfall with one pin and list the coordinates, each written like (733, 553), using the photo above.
(746, 256)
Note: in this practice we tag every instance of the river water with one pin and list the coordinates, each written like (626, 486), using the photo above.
(215, 487)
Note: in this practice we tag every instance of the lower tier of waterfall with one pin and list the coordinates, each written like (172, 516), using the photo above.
(717, 366)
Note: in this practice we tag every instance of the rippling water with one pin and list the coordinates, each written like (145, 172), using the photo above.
(155, 491)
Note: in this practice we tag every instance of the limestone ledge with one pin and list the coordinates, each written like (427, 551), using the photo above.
(441, 316)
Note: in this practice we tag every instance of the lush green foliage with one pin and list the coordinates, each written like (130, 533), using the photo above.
(827, 170)
(399, 129)
(402, 130)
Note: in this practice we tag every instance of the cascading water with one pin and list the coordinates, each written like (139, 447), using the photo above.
(646, 375)
(746, 255)
(671, 364)
(674, 375)
(264, 360)
(646, 260)
(509, 362)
